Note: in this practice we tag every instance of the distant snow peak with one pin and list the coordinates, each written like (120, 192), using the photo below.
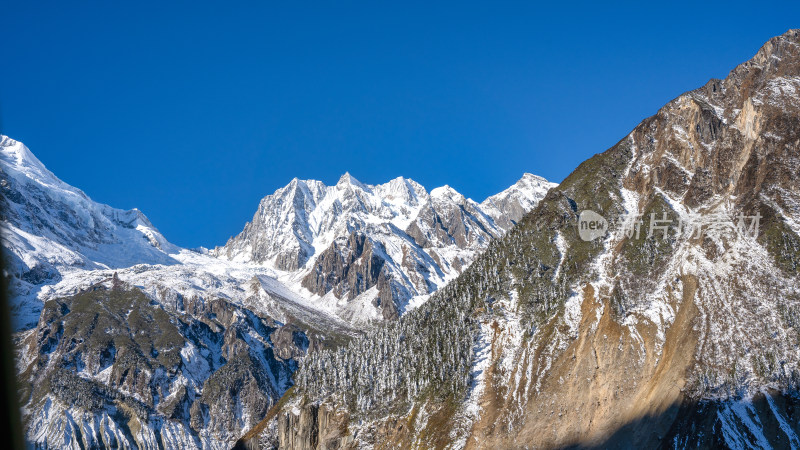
(348, 180)
(510, 205)
(402, 189)
(14, 152)
(447, 193)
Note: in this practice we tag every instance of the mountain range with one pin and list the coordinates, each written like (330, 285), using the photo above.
(127, 340)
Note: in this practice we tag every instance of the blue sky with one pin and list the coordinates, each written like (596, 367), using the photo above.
(194, 111)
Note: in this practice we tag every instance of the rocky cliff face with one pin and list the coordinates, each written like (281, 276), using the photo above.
(666, 317)
(314, 427)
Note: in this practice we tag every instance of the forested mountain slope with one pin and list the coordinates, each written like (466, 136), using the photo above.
(676, 326)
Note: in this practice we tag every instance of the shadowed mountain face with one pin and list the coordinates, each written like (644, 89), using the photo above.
(674, 323)
(767, 420)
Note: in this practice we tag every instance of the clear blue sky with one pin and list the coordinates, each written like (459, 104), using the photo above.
(194, 111)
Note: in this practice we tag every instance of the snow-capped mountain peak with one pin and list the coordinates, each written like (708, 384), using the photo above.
(402, 190)
(447, 193)
(15, 154)
(394, 242)
(347, 180)
(20, 163)
(508, 206)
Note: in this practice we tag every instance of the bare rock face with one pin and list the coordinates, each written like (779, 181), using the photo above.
(289, 342)
(683, 334)
(348, 268)
(451, 218)
(314, 427)
(352, 266)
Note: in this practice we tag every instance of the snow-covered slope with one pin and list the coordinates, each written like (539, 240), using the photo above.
(51, 228)
(39, 207)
